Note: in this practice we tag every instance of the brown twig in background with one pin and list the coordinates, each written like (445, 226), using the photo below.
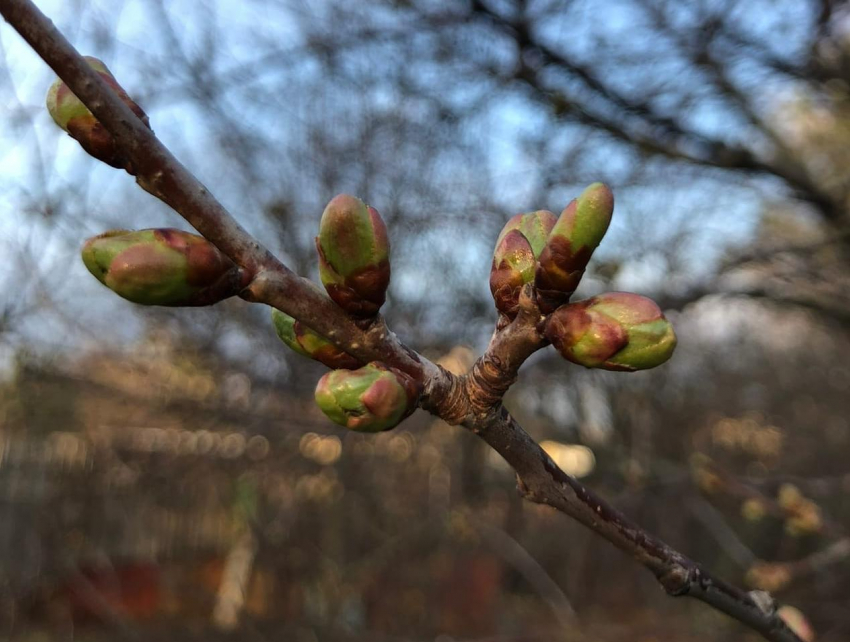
(473, 400)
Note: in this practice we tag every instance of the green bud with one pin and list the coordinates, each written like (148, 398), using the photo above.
(573, 239)
(74, 117)
(354, 255)
(612, 331)
(515, 257)
(371, 399)
(162, 267)
(310, 344)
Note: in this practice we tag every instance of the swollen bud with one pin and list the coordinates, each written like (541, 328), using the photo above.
(354, 255)
(571, 243)
(612, 331)
(305, 341)
(162, 267)
(371, 399)
(74, 117)
(515, 257)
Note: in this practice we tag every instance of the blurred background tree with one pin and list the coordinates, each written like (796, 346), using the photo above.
(722, 127)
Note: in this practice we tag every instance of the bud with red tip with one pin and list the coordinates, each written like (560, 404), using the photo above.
(573, 239)
(612, 331)
(305, 341)
(162, 267)
(74, 117)
(371, 399)
(354, 255)
(515, 257)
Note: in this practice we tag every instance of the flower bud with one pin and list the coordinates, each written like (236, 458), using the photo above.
(371, 399)
(612, 331)
(515, 257)
(354, 255)
(162, 267)
(74, 117)
(310, 344)
(573, 239)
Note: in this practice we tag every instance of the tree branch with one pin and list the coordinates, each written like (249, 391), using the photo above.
(474, 400)
(541, 481)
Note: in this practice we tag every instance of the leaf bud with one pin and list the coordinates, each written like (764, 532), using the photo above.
(570, 244)
(74, 117)
(612, 331)
(515, 257)
(373, 398)
(354, 255)
(305, 341)
(162, 267)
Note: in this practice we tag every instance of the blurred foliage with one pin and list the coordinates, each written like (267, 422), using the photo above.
(132, 482)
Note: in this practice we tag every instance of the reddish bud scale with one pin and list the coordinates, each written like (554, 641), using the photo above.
(353, 248)
(75, 118)
(162, 267)
(570, 245)
(333, 357)
(515, 257)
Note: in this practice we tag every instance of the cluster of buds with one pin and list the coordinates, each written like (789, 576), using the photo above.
(162, 267)
(613, 331)
(74, 117)
(306, 342)
(373, 398)
(354, 256)
(354, 267)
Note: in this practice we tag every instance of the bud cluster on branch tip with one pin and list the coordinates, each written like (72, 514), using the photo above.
(515, 257)
(162, 267)
(354, 255)
(373, 398)
(74, 117)
(571, 243)
(612, 331)
(305, 341)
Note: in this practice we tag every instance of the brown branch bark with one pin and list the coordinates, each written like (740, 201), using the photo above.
(473, 400)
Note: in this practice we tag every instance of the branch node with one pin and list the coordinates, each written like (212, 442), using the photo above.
(677, 580)
(764, 602)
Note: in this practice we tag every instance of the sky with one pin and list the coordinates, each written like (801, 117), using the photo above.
(38, 162)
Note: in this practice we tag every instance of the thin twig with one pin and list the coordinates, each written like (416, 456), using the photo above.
(541, 481)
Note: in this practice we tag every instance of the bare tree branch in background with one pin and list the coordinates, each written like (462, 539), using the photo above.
(473, 400)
